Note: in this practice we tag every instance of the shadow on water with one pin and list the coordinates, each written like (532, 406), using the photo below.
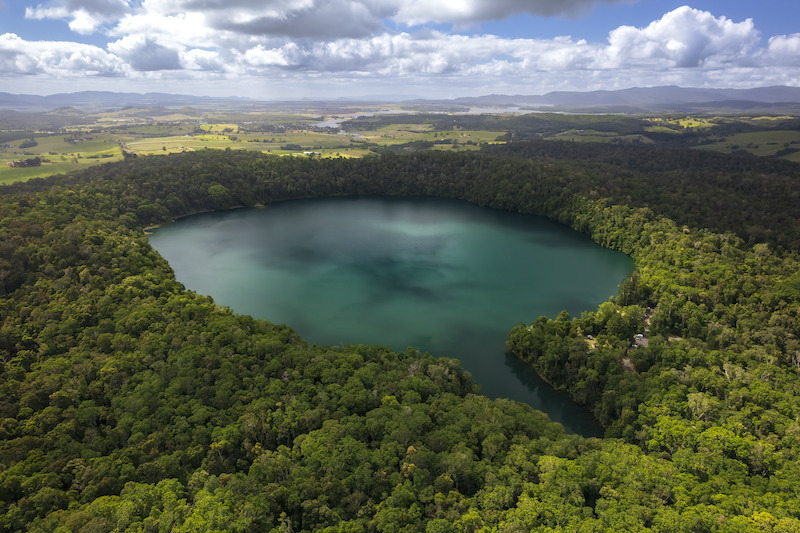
(444, 276)
(558, 405)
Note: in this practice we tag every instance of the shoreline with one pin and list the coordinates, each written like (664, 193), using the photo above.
(147, 229)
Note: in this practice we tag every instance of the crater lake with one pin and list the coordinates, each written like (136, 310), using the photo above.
(444, 276)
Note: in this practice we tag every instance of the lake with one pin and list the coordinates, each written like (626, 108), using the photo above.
(444, 276)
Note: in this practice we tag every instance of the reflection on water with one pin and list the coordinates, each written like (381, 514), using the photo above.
(549, 401)
(337, 122)
(444, 276)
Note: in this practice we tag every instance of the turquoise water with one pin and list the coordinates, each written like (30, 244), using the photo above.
(444, 276)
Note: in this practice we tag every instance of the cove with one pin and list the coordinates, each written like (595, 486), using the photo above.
(444, 276)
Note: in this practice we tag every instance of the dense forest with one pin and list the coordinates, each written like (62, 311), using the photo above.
(131, 404)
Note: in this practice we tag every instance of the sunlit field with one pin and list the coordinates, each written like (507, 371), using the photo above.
(760, 143)
(162, 131)
(58, 155)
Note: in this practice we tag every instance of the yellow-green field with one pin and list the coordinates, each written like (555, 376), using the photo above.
(155, 129)
(774, 118)
(323, 143)
(593, 136)
(691, 122)
(63, 156)
(419, 128)
(685, 122)
(154, 139)
(760, 143)
(220, 127)
(149, 131)
(405, 133)
(661, 129)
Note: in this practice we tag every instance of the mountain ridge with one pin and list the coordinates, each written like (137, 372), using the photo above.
(662, 96)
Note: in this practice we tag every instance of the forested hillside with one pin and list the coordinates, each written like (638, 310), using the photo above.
(130, 404)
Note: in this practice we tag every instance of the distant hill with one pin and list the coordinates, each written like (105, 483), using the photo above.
(380, 98)
(106, 99)
(734, 106)
(188, 111)
(776, 99)
(638, 96)
(67, 110)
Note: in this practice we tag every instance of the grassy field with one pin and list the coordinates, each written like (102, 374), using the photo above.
(155, 129)
(685, 122)
(159, 139)
(63, 156)
(593, 136)
(158, 131)
(661, 129)
(220, 127)
(773, 118)
(760, 143)
(691, 122)
(324, 143)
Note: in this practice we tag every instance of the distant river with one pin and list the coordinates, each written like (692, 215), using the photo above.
(444, 276)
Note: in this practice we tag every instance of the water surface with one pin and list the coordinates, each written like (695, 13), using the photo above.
(444, 276)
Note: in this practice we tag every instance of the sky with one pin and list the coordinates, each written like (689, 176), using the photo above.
(269, 49)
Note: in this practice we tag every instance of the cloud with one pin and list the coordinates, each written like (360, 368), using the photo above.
(55, 59)
(466, 12)
(783, 50)
(312, 19)
(258, 56)
(303, 42)
(682, 38)
(15, 58)
(203, 60)
(146, 54)
(85, 15)
(329, 20)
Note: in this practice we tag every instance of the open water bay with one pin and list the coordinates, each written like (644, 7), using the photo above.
(441, 275)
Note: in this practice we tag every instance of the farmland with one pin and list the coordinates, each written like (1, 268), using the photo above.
(107, 136)
(59, 154)
(760, 143)
(83, 140)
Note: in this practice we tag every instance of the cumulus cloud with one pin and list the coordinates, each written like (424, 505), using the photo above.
(55, 59)
(684, 37)
(175, 31)
(204, 60)
(15, 58)
(259, 56)
(465, 12)
(329, 20)
(314, 19)
(85, 15)
(783, 50)
(305, 40)
(146, 54)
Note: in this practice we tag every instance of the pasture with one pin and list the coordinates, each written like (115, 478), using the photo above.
(161, 131)
(60, 156)
(760, 143)
(594, 136)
